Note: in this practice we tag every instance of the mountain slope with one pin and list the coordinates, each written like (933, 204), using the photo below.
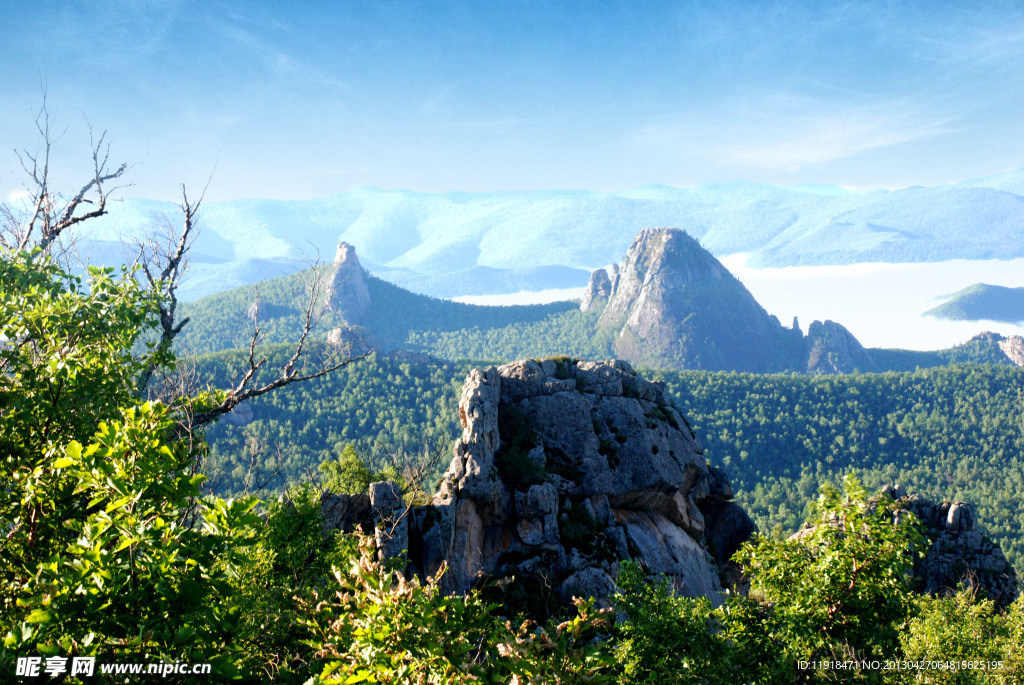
(982, 302)
(672, 304)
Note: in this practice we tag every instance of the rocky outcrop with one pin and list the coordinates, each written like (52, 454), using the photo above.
(671, 303)
(563, 470)
(240, 415)
(1013, 348)
(347, 294)
(830, 349)
(958, 553)
(600, 288)
(352, 340)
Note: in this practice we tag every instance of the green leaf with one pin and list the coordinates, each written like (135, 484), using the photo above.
(117, 504)
(39, 616)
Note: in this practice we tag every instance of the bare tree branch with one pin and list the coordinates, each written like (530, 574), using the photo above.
(313, 311)
(163, 264)
(50, 214)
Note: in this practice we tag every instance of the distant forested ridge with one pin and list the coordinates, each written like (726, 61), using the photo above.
(398, 318)
(982, 302)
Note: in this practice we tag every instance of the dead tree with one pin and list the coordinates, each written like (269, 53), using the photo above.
(162, 260)
(51, 214)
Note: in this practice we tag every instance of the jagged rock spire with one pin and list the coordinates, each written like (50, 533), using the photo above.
(347, 293)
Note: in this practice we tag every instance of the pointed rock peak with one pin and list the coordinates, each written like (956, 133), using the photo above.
(346, 255)
(672, 247)
(347, 292)
(831, 348)
(674, 303)
(602, 285)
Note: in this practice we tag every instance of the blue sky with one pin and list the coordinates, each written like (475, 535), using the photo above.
(293, 100)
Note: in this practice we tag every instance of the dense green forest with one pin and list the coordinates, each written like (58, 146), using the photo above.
(396, 319)
(949, 433)
(953, 432)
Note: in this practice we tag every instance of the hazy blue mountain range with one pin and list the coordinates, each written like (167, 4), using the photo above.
(479, 243)
(670, 304)
(982, 302)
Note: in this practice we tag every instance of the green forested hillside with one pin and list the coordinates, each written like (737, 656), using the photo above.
(456, 331)
(396, 318)
(950, 432)
(982, 301)
(378, 404)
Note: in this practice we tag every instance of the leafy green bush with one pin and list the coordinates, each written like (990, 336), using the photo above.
(108, 550)
(667, 638)
(958, 628)
(347, 473)
(379, 627)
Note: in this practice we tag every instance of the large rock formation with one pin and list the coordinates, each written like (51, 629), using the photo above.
(600, 288)
(672, 304)
(347, 294)
(1013, 348)
(958, 553)
(565, 468)
(833, 349)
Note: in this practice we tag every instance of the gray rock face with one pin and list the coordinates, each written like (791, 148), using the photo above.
(959, 554)
(241, 415)
(565, 468)
(346, 512)
(672, 303)
(1013, 348)
(255, 311)
(351, 340)
(602, 285)
(346, 290)
(391, 530)
(833, 349)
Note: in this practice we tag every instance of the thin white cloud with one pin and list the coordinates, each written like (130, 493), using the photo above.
(789, 134)
(819, 140)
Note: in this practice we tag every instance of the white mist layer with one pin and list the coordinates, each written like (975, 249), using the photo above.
(881, 304)
(523, 297)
